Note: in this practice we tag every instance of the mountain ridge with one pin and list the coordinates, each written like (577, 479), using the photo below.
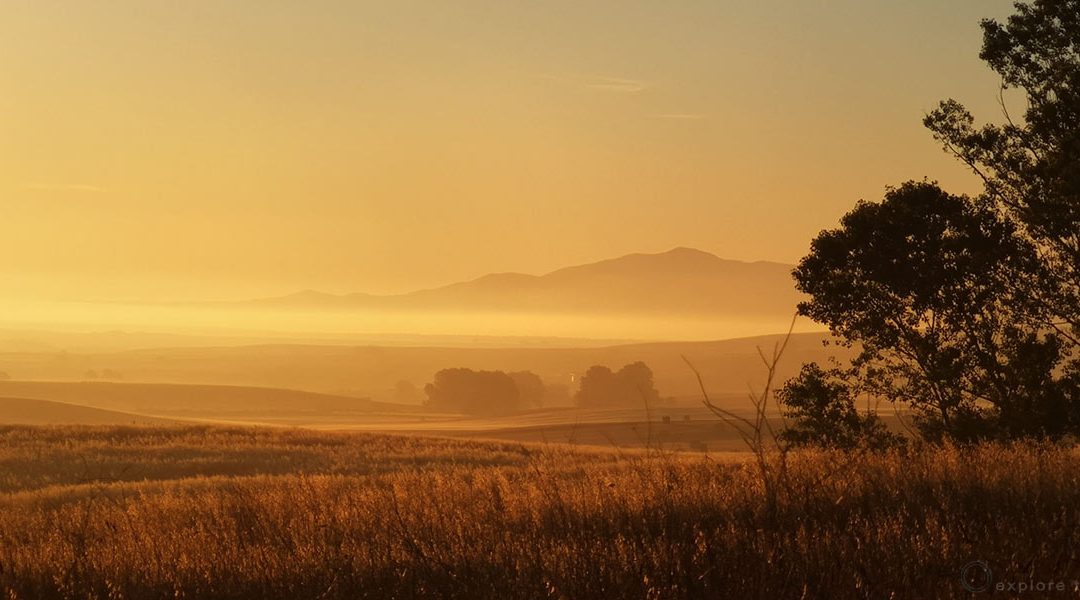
(682, 281)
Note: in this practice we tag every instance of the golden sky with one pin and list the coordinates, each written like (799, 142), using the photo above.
(225, 149)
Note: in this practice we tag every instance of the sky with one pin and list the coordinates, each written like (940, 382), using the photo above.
(159, 150)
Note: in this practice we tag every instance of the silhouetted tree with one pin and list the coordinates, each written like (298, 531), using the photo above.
(595, 387)
(924, 282)
(637, 378)
(821, 404)
(531, 389)
(1031, 167)
(632, 385)
(472, 392)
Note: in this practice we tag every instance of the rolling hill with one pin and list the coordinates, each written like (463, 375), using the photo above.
(212, 402)
(375, 372)
(29, 411)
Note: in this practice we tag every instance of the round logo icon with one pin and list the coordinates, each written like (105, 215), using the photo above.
(976, 576)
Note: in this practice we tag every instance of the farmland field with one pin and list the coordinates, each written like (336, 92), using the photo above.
(228, 512)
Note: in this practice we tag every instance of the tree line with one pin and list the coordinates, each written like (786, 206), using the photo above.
(498, 392)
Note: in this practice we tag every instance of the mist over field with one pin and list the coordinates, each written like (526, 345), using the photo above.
(682, 294)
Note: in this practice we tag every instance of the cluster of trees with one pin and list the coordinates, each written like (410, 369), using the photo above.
(631, 385)
(498, 392)
(484, 392)
(966, 309)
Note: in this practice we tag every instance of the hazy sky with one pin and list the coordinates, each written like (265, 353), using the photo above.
(161, 149)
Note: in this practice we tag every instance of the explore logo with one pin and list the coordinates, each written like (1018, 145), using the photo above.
(976, 577)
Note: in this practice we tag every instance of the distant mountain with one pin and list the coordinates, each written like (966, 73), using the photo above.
(681, 282)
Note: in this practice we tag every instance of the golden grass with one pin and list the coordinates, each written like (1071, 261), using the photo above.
(203, 512)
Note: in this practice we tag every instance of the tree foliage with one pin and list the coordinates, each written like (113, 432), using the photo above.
(484, 392)
(631, 385)
(924, 282)
(823, 405)
(1031, 166)
(531, 389)
(473, 392)
(968, 309)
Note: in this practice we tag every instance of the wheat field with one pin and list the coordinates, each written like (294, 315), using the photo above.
(216, 512)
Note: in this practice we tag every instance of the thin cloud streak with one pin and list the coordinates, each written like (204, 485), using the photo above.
(616, 85)
(612, 85)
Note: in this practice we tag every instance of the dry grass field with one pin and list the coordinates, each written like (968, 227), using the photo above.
(682, 427)
(216, 512)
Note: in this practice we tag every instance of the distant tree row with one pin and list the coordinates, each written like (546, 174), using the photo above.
(631, 385)
(484, 392)
(497, 392)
